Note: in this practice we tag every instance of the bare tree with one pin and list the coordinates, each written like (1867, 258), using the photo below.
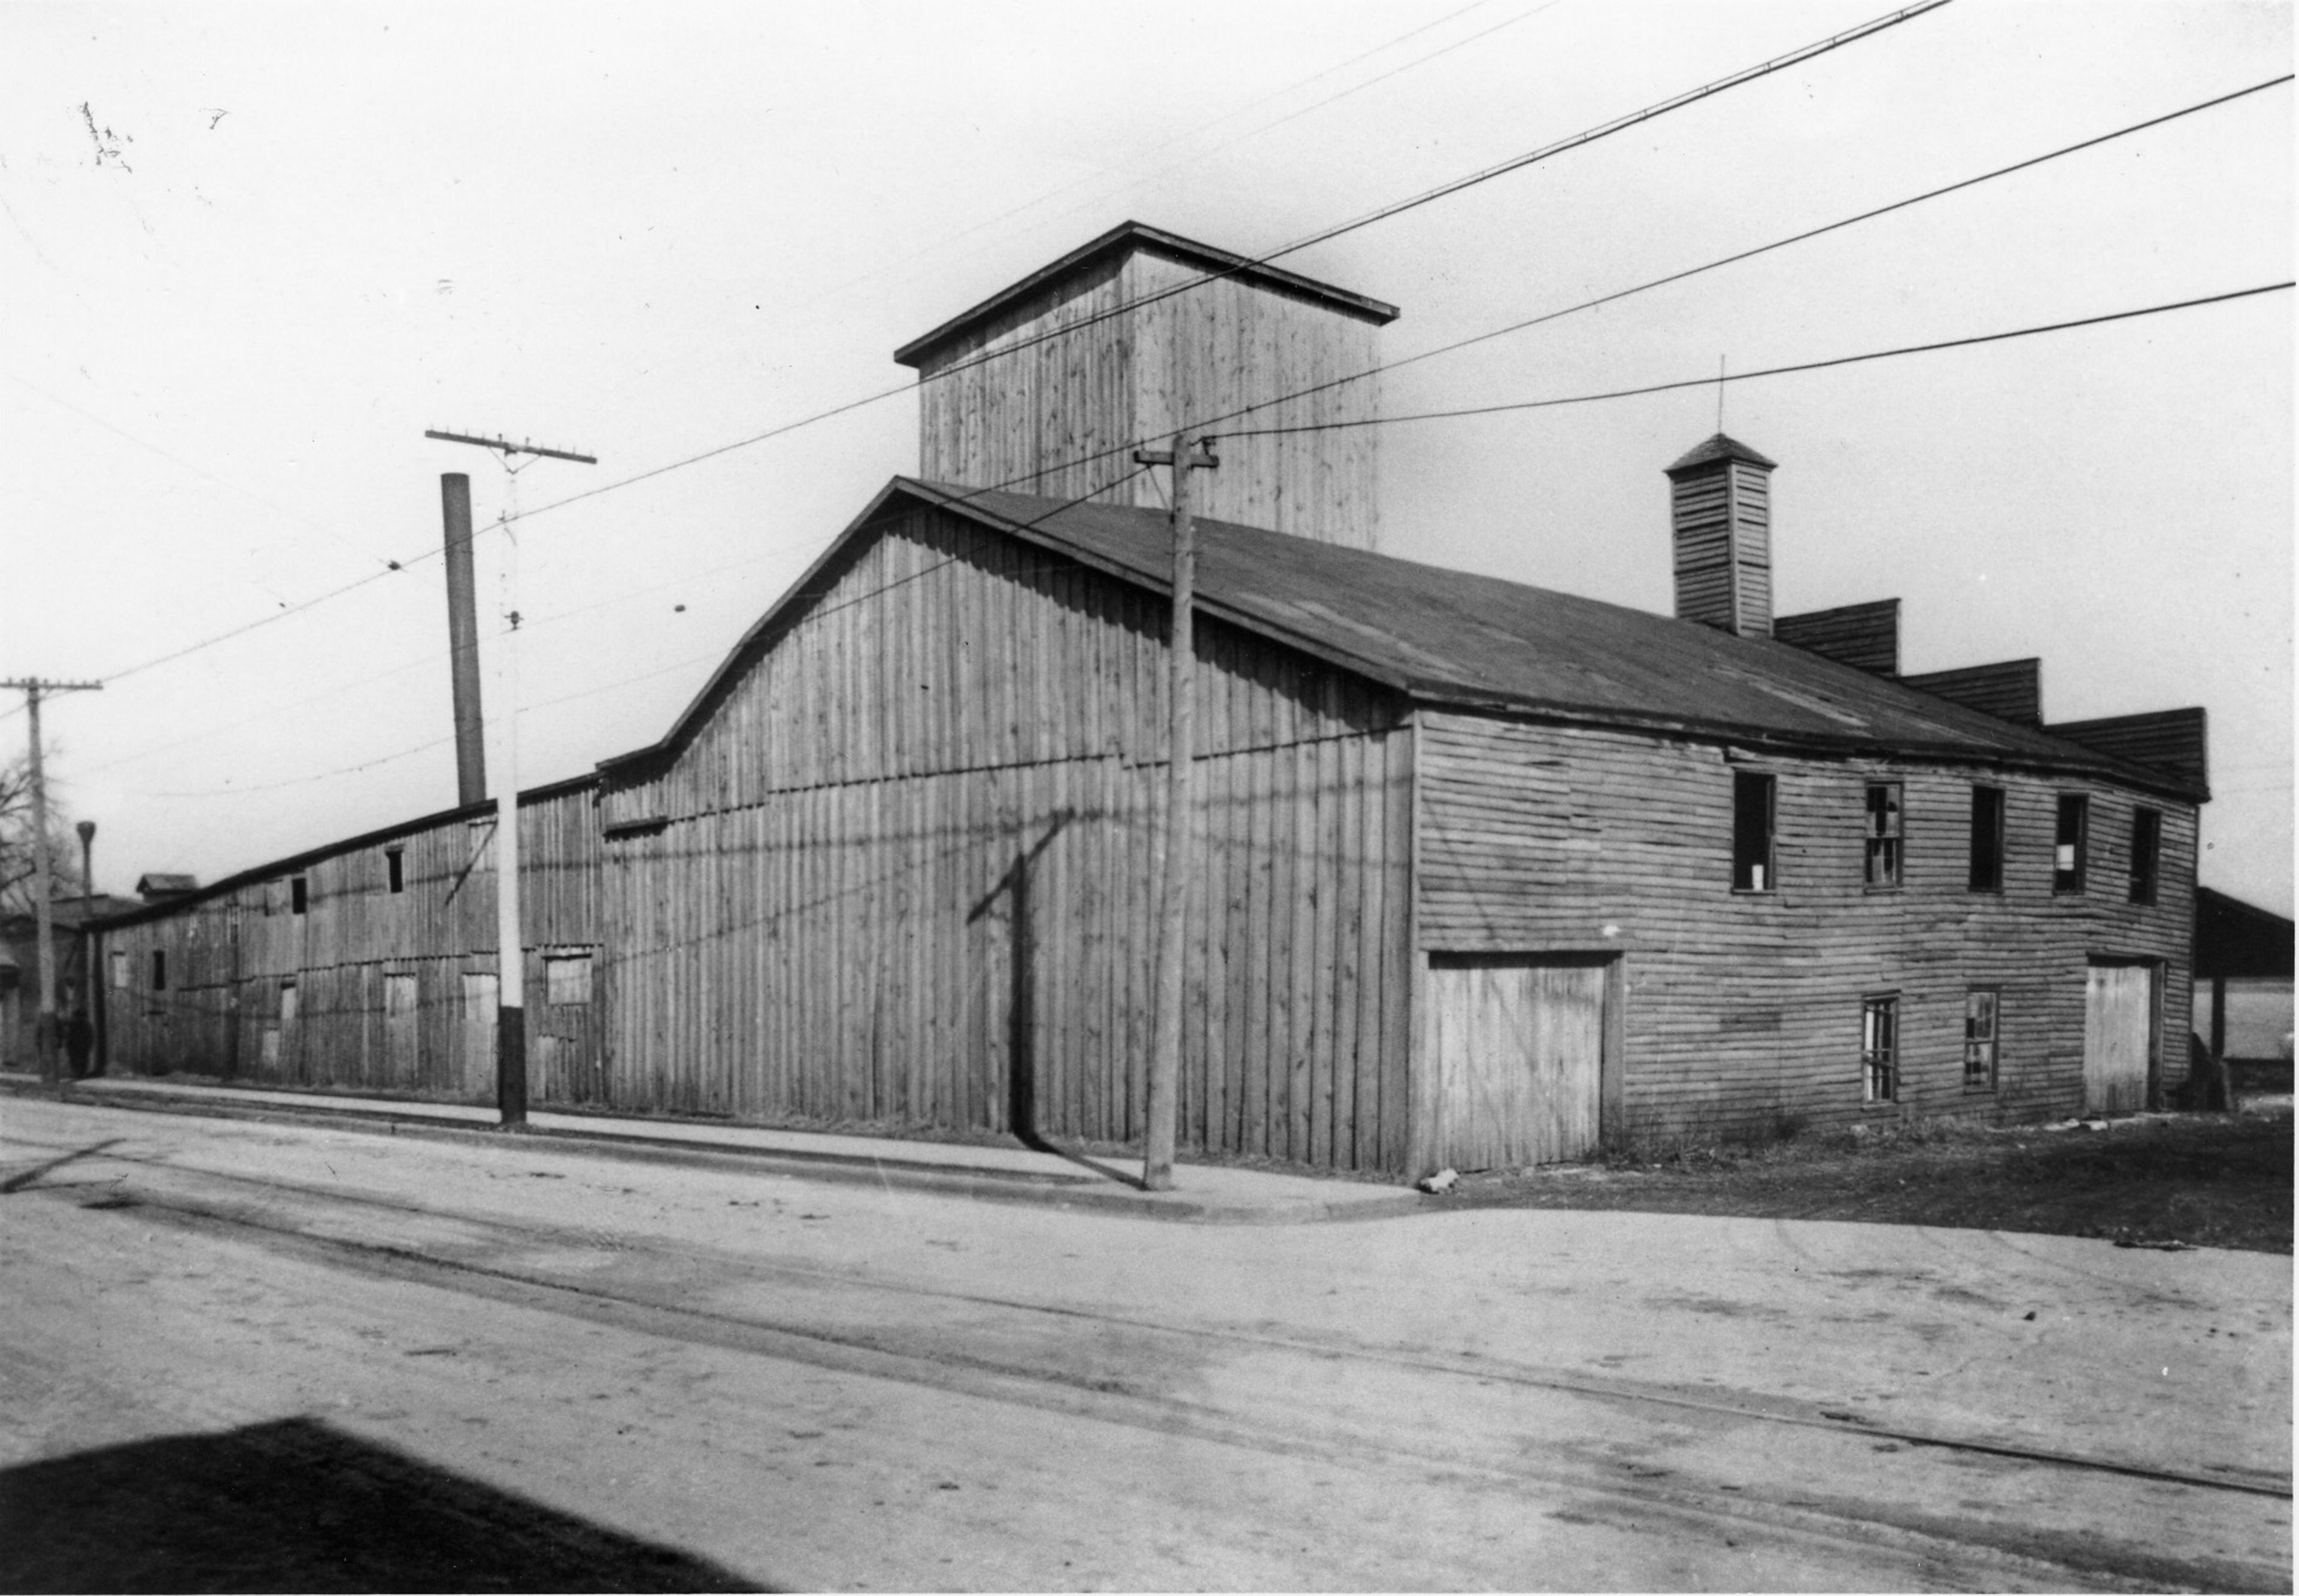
(16, 856)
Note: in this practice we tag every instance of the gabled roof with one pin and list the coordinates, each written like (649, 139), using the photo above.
(1127, 237)
(1451, 637)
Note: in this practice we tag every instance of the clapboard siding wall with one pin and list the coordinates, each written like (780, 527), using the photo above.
(1743, 1008)
(1060, 417)
(232, 958)
(898, 873)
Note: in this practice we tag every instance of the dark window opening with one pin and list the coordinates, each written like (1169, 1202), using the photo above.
(2068, 843)
(2146, 852)
(1979, 1006)
(1752, 831)
(395, 863)
(299, 894)
(159, 969)
(1884, 834)
(1880, 1049)
(1988, 839)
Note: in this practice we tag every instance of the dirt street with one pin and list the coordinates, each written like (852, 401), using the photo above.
(256, 1356)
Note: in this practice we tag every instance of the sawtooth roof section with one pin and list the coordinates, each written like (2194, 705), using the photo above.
(1454, 638)
(1129, 235)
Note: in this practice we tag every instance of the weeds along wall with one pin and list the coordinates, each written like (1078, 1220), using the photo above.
(366, 988)
(1744, 1008)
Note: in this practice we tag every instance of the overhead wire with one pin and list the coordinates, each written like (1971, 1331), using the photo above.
(1381, 214)
(1806, 235)
(1820, 365)
(811, 617)
(1831, 363)
(1487, 174)
(942, 244)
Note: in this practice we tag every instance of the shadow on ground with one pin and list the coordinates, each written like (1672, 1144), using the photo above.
(296, 1505)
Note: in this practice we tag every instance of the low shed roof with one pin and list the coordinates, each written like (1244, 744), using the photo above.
(2240, 939)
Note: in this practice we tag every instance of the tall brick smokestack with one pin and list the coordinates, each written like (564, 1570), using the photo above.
(463, 640)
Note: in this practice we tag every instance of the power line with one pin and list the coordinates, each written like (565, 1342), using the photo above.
(1690, 97)
(1340, 94)
(809, 619)
(1699, 382)
(1747, 255)
(1515, 164)
(966, 232)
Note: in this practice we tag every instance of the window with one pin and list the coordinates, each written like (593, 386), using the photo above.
(1979, 1038)
(288, 1001)
(159, 969)
(1880, 1049)
(395, 866)
(2146, 850)
(1986, 839)
(2068, 845)
(1884, 834)
(120, 969)
(299, 894)
(1752, 831)
(566, 978)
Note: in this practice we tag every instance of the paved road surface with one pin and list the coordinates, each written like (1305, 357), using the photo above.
(258, 1354)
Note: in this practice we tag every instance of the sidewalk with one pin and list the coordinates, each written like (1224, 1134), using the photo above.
(1203, 1193)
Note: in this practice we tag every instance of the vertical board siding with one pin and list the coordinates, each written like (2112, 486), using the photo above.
(900, 873)
(1741, 1008)
(1020, 419)
(350, 956)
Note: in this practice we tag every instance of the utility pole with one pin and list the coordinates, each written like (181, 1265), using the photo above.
(1172, 863)
(510, 947)
(45, 1027)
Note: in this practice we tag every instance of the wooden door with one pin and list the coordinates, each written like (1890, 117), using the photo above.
(402, 1034)
(475, 1036)
(1517, 1044)
(2119, 1029)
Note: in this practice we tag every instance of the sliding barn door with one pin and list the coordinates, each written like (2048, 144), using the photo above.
(1518, 1047)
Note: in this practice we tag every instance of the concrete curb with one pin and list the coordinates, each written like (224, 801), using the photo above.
(979, 1183)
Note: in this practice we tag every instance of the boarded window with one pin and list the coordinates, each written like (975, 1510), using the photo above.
(1884, 828)
(1988, 839)
(299, 894)
(566, 978)
(395, 868)
(119, 969)
(2146, 852)
(1880, 1049)
(2068, 844)
(1752, 831)
(159, 969)
(1979, 1038)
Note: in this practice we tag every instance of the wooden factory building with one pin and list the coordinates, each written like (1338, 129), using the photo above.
(1489, 873)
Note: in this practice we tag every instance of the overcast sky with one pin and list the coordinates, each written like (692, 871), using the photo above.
(249, 254)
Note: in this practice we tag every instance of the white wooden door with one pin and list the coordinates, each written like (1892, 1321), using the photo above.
(475, 1036)
(2119, 1022)
(1518, 1048)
